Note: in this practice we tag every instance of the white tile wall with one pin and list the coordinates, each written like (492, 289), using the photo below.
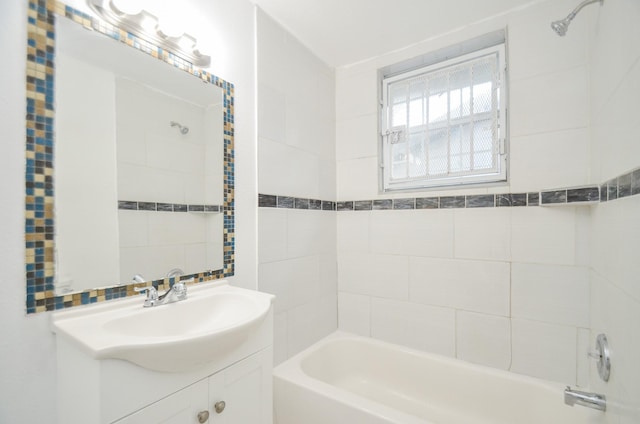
(419, 233)
(550, 293)
(617, 314)
(510, 284)
(360, 135)
(544, 350)
(549, 102)
(545, 52)
(272, 113)
(483, 339)
(294, 281)
(615, 231)
(296, 157)
(176, 228)
(353, 231)
(479, 286)
(280, 338)
(421, 327)
(544, 235)
(616, 224)
(310, 322)
(555, 170)
(152, 262)
(357, 178)
(272, 240)
(356, 95)
(287, 171)
(385, 276)
(156, 161)
(354, 313)
(584, 361)
(152, 243)
(307, 233)
(483, 234)
(508, 288)
(547, 289)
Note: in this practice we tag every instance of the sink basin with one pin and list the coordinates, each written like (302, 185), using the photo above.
(176, 337)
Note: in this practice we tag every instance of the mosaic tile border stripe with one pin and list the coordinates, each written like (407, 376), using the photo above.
(553, 197)
(622, 186)
(133, 205)
(625, 185)
(288, 202)
(444, 202)
(39, 155)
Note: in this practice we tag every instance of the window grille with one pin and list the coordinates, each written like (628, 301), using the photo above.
(445, 124)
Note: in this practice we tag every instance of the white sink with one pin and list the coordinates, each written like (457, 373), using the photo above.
(176, 337)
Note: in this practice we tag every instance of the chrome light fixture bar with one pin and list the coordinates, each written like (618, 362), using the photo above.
(146, 26)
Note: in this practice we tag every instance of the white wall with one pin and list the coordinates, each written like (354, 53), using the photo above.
(296, 157)
(615, 229)
(504, 287)
(27, 347)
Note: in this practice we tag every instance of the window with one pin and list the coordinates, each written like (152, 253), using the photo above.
(445, 124)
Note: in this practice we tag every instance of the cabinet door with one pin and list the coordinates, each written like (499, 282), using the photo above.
(246, 390)
(181, 407)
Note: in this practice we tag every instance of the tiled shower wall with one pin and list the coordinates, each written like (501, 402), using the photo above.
(296, 157)
(504, 287)
(615, 227)
(158, 164)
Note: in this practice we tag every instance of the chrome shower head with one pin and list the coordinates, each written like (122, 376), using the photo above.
(183, 128)
(561, 26)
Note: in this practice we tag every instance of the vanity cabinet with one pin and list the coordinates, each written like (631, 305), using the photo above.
(238, 394)
(180, 378)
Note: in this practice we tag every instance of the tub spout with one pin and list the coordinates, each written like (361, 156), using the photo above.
(590, 400)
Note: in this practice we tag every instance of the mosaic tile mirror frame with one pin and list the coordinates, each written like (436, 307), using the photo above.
(40, 148)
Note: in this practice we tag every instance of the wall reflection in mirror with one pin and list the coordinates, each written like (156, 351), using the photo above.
(138, 165)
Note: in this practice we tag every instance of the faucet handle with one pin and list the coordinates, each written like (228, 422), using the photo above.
(180, 290)
(152, 293)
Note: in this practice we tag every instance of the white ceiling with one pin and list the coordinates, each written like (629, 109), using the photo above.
(342, 32)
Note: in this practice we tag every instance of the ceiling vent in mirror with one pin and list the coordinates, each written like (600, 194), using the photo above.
(145, 25)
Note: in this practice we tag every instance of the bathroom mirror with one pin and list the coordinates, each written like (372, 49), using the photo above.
(142, 166)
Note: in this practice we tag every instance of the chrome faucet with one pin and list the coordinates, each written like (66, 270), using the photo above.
(590, 400)
(176, 293)
(174, 273)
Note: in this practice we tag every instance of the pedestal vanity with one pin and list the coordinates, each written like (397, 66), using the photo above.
(205, 359)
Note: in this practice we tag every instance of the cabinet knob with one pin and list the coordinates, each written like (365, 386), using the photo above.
(203, 416)
(219, 406)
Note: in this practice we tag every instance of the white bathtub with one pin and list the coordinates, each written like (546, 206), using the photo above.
(355, 380)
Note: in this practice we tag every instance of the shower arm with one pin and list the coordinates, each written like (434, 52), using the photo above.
(575, 11)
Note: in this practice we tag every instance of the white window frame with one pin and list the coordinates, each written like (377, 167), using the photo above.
(386, 135)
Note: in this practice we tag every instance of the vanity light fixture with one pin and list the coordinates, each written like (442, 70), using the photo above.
(145, 25)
